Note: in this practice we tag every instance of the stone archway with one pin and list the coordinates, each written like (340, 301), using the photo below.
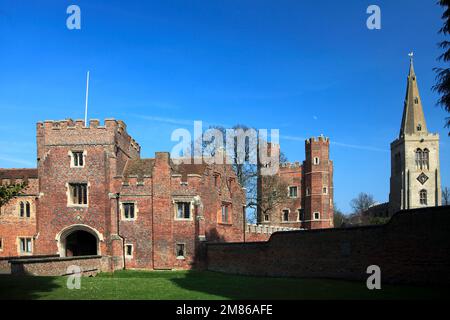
(81, 243)
(79, 240)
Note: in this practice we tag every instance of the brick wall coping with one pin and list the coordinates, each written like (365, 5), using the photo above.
(52, 259)
(411, 212)
(29, 257)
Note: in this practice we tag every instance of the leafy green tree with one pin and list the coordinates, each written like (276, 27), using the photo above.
(8, 192)
(443, 74)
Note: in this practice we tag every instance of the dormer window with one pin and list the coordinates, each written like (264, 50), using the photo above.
(416, 100)
(419, 127)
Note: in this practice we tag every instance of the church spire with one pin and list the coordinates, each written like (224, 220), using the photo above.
(413, 120)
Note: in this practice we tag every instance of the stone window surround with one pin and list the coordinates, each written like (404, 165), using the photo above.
(72, 161)
(282, 215)
(122, 210)
(314, 216)
(316, 161)
(289, 191)
(127, 256)
(228, 204)
(25, 209)
(183, 257)
(190, 200)
(69, 196)
(19, 251)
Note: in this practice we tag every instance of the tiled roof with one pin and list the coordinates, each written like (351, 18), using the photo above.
(139, 167)
(18, 173)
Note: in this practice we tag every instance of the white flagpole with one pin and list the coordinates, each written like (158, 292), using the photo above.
(87, 96)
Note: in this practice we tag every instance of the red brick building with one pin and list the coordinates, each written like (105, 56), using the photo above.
(309, 189)
(92, 194)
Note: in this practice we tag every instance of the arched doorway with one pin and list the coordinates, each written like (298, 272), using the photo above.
(78, 240)
(81, 243)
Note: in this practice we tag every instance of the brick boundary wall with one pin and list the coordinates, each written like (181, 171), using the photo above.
(413, 248)
(57, 266)
(5, 265)
(259, 233)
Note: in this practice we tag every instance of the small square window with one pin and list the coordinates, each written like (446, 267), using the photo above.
(183, 210)
(316, 215)
(78, 159)
(293, 192)
(180, 250)
(129, 250)
(266, 218)
(129, 211)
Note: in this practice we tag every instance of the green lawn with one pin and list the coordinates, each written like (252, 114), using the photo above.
(200, 285)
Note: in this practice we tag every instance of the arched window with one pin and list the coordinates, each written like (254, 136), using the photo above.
(22, 209)
(27, 209)
(419, 157)
(426, 159)
(423, 197)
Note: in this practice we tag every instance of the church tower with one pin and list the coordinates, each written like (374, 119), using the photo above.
(415, 172)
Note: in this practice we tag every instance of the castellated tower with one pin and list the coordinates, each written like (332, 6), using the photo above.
(415, 171)
(309, 189)
(318, 184)
(77, 164)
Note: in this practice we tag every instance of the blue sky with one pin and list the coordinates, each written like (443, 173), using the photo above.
(304, 68)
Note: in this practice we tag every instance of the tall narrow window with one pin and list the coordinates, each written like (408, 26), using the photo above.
(285, 215)
(1, 244)
(22, 209)
(426, 159)
(419, 157)
(183, 210)
(27, 209)
(416, 100)
(129, 250)
(225, 214)
(129, 210)
(301, 215)
(78, 159)
(25, 245)
(266, 218)
(316, 215)
(308, 191)
(78, 193)
(316, 160)
(423, 197)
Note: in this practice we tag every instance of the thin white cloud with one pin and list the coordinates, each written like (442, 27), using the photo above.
(339, 144)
